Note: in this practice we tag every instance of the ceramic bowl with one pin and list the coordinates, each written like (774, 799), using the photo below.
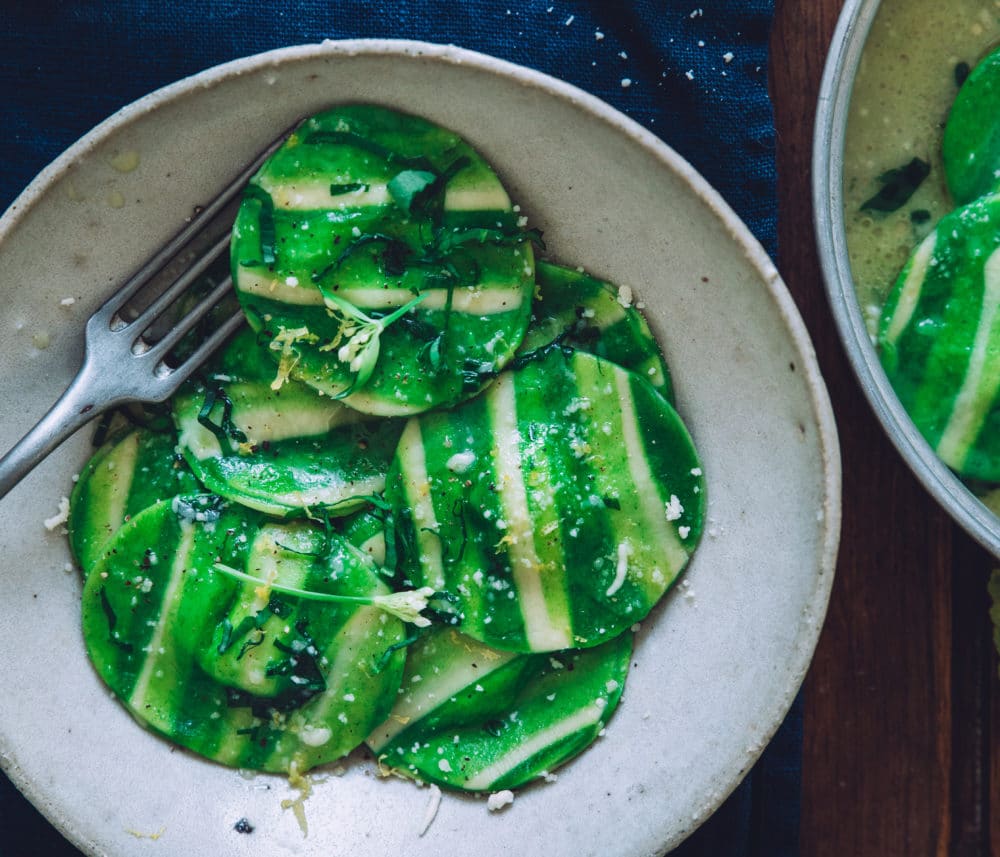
(716, 665)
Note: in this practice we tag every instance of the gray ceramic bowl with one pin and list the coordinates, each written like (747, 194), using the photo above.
(718, 662)
(828, 194)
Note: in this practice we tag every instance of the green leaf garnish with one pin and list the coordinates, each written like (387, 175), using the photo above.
(268, 253)
(225, 430)
(406, 187)
(898, 186)
(406, 605)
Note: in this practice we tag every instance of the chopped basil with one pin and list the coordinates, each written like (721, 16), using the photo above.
(406, 187)
(226, 430)
(962, 71)
(268, 253)
(350, 187)
(898, 185)
(386, 656)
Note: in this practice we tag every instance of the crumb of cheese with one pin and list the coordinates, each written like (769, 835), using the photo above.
(61, 517)
(433, 802)
(498, 800)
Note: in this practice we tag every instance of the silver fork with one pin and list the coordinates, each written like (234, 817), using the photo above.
(121, 364)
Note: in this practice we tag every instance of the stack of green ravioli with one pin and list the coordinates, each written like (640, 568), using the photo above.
(419, 502)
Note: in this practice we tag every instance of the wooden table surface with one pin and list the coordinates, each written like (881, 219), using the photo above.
(903, 699)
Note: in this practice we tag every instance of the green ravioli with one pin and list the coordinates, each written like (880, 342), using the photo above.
(594, 316)
(288, 451)
(377, 254)
(555, 509)
(476, 718)
(127, 474)
(971, 144)
(939, 339)
(215, 627)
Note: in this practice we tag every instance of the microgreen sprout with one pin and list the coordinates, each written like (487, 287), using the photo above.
(407, 605)
(358, 341)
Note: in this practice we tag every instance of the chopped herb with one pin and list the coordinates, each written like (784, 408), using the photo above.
(226, 430)
(448, 239)
(406, 187)
(961, 73)
(383, 660)
(350, 187)
(265, 222)
(406, 605)
(898, 185)
(109, 614)
(393, 258)
(226, 637)
(301, 663)
(494, 727)
(109, 611)
(613, 503)
(252, 643)
(920, 216)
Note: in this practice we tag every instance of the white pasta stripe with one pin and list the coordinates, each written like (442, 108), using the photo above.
(982, 377)
(170, 604)
(542, 631)
(482, 299)
(417, 488)
(488, 196)
(311, 196)
(115, 497)
(263, 283)
(341, 655)
(434, 690)
(485, 778)
(329, 494)
(651, 506)
(268, 421)
(909, 295)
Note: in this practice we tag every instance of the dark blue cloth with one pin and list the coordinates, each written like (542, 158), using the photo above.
(692, 71)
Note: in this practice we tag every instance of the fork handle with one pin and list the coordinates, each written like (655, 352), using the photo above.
(74, 408)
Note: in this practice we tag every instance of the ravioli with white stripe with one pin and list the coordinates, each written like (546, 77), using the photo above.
(939, 339)
(595, 316)
(377, 254)
(479, 719)
(258, 644)
(287, 451)
(557, 507)
(128, 473)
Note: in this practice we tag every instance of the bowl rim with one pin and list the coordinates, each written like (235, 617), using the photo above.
(829, 477)
(835, 93)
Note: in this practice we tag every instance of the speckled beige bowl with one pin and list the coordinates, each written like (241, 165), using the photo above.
(716, 665)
